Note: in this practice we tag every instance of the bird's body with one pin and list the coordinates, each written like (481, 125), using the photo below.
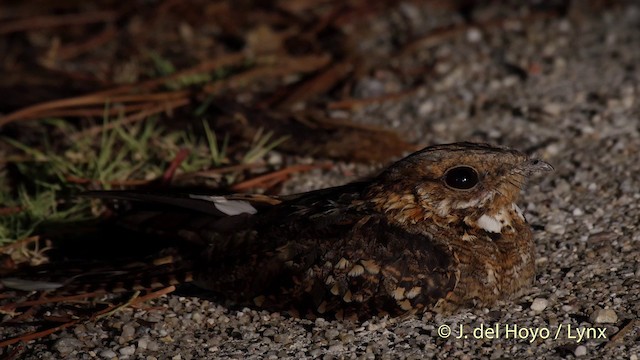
(437, 230)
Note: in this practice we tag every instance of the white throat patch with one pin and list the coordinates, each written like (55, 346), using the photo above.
(489, 223)
(495, 222)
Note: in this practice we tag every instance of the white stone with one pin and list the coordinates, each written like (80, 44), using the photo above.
(557, 229)
(128, 350)
(604, 316)
(142, 343)
(539, 304)
(581, 350)
(553, 109)
(474, 35)
(426, 108)
(108, 354)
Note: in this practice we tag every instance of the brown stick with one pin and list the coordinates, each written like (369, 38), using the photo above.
(91, 99)
(73, 50)
(175, 163)
(37, 335)
(280, 174)
(43, 333)
(10, 210)
(48, 21)
(50, 300)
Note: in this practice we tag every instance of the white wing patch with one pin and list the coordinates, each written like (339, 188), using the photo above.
(29, 285)
(228, 207)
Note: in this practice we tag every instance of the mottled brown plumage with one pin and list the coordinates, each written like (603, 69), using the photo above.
(437, 230)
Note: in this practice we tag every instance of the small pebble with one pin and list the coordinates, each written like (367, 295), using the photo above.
(557, 229)
(581, 350)
(474, 35)
(197, 317)
(108, 354)
(128, 332)
(332, 334)
(604, 316)
(127, 350)
(553, 109)
(539, 304)
(153, 346)
(66, 345)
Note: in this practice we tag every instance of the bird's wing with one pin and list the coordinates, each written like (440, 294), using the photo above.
(215, 205)
(357, 268)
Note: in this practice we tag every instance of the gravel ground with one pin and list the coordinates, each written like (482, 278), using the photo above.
(577, 106)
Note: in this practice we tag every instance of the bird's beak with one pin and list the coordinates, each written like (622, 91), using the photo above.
(537, 165)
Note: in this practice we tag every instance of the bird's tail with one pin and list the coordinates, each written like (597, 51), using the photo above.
(150, 273)
(156, 242)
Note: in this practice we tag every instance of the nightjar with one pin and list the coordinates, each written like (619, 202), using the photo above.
(437, 230)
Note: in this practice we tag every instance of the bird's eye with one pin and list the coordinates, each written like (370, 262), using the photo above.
(461, 177)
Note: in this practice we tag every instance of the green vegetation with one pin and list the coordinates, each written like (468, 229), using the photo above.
(113, 155)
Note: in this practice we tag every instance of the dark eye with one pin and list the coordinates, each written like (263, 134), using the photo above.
(461, 177)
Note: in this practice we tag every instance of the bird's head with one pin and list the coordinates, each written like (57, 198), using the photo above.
(453, 179)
